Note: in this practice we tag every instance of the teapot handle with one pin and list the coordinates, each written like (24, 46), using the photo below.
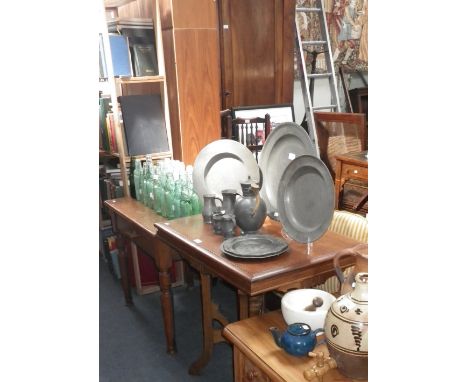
(257, 200)
(314, 332)
(260, 183)
(336, 260)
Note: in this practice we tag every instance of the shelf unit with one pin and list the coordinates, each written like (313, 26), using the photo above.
(124, 86)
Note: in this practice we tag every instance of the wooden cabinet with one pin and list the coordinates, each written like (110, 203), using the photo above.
(144, 12)
(258, 359)
(191, 53)
(348, 194)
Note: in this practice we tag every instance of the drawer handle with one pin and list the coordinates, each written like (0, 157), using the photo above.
(355, 171)
(251, 374)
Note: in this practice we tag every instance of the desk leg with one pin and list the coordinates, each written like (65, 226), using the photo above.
(338, 184)
(249, 306)
(163, 261)
(200, 363)
(243, 305)
(123, 265)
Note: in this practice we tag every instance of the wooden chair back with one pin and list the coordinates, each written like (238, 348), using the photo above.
(251, 132)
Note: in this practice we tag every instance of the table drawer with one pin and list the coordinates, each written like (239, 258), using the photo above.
(353, 171)
(252, 373)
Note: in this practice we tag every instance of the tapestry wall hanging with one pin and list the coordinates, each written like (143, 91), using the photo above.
(347, 28)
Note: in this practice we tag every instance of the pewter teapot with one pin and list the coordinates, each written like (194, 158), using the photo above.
(250, 209)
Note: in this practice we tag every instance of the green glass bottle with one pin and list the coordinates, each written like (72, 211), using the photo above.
(132, 177)
(136, 179)
(168, 211)
(149, 187)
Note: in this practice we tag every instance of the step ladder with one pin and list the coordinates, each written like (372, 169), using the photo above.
(307, 79)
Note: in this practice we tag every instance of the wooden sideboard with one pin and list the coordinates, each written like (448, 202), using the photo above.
(351, 166)
(258, 359)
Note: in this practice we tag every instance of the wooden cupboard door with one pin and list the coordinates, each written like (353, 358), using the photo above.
(198, 89)
(257, 51)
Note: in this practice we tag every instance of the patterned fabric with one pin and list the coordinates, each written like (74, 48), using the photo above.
(347, 28)
(347, 224)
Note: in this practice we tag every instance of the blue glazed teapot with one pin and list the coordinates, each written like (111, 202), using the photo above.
(297, 340)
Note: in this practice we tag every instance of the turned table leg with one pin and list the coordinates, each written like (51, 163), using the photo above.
(200, 363)
(163, 261)
(123, 265)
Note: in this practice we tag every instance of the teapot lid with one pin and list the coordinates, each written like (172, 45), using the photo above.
(249, 182)
(299, 329)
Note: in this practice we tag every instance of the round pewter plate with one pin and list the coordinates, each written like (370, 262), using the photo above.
(287, 141)
(254, 246)
(221, 165)
(306, 199)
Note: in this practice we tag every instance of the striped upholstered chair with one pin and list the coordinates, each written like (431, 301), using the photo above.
(347, 224)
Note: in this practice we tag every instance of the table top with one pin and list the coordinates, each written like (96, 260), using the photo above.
(253, 338)
(135, 212)
(253, 276)
(359, 158)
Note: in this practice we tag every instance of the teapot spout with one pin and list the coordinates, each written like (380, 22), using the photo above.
(276, 335)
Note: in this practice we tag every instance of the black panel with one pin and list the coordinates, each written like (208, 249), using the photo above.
(144, 125)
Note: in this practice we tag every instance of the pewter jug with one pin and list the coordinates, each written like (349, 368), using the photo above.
(229, 200)
(250, 210)
(228, 223)
(217, 221)
(209, 206)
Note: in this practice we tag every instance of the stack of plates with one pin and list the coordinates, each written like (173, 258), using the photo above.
(285, 143)
(254, 246)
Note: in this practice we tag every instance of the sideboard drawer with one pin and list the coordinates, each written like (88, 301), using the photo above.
(353, 171)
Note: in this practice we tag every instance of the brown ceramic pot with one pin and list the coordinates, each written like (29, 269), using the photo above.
(346, 330)
(360, 255)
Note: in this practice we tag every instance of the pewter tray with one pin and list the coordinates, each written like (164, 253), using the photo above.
(254, 246)
(306, 199)
(221, 165)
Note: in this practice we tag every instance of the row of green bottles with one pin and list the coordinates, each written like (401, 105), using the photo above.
(167, 188)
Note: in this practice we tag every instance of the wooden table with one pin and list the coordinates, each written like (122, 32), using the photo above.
(195, 242)
(349, 166)
(133, 220)
(258, 358)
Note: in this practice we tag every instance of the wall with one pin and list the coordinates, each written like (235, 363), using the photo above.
(322, 95)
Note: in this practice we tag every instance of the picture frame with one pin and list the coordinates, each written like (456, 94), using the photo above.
(278, 113)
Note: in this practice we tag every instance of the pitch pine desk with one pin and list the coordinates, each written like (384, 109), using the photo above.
(195, 242)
